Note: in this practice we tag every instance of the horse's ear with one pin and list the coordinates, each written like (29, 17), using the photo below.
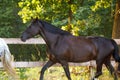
(36, 19)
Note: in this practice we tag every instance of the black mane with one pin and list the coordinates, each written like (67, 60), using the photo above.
(49, 27)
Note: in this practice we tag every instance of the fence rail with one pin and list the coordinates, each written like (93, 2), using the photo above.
(38, 63)
(33, 41)
(29, 41)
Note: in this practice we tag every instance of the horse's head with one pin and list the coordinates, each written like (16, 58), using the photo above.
(31, 31)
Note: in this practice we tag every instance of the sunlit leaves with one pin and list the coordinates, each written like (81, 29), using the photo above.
(73, 8)
(101, 4)
(30, 9)
(46, 9)
(74, 29)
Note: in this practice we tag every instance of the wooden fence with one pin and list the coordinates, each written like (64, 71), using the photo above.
(38, 63)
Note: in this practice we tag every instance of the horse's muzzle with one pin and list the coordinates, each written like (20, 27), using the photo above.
(23, 39)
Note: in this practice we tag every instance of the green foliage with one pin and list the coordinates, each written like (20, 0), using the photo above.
(21, 73)
(28, 52)
(9, 20)
(89, 22)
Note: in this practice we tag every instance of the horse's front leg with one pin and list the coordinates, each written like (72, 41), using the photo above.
(47, 65)
(99, 69)
(66, 69)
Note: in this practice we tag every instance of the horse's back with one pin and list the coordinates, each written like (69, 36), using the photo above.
(103, 45)
(101, 42)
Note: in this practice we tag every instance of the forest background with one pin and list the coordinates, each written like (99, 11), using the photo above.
(80, 17)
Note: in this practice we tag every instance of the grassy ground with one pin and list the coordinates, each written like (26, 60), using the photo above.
(55, 73)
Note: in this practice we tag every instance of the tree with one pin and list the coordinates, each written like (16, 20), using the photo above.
(116, 26)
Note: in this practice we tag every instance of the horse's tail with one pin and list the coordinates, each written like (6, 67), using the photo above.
(7, 61)
(116, 51)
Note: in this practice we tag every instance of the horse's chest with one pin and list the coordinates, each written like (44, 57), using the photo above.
(58, 52)
(51, 57)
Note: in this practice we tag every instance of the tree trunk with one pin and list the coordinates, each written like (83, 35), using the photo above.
(116, 28)
(116, 25)
(69, 16)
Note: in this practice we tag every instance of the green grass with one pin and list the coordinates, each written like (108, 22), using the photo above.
(55, 73)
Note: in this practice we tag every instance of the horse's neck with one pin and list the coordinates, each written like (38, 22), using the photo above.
(50, 38)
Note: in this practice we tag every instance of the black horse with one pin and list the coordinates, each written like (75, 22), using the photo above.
(63, 47)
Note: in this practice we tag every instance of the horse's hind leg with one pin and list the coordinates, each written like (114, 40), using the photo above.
(47, 65)
(111, 69)
(66, 69)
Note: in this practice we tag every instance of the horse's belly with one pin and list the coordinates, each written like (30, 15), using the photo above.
(83, 57)
(83, 53)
